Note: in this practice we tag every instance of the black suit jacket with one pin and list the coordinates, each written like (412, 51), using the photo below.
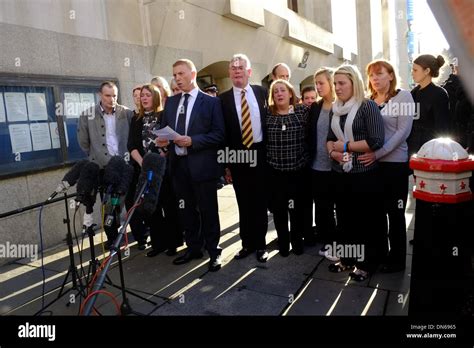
(231, 119)
(206, 129)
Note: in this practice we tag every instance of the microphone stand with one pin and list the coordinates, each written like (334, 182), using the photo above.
(125, 308)
(72, 270)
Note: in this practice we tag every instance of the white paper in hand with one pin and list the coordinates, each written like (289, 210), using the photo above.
(166, 133)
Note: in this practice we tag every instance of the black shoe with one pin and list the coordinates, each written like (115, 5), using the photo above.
(187, 257)
(284, 253)
(215, 264)
(262, 255)
(171, 252)
(244, 252)
(153, 253)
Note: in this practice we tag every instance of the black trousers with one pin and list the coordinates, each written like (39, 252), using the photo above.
(394, 177)
(198, 210)
(308, 232)
(251, 194)
(360, 214)
(287, 194)
(323, 194)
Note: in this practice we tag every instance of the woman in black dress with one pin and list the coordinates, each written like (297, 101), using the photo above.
(165, 230)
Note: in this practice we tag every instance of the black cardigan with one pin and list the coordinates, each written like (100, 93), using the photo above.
(135, 137)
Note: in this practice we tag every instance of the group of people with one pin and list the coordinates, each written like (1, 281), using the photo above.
(338, 147)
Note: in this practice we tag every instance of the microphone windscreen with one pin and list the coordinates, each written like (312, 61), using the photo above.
(73, 175)
(126, 179)
(154, 165)
(89, 179)
(113, 171)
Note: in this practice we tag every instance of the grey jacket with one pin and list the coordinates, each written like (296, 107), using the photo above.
(91, 133)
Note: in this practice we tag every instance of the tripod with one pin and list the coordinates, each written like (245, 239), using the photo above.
(72, 270)
(125, 307)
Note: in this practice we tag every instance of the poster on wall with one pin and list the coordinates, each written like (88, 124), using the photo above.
(55, 135)
(2, 109)
(87, 101)
(72, 105)
(37, 106)
(20, 138)
(16, 106)
(40, 136)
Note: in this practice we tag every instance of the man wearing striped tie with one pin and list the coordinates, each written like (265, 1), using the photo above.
(244, 116)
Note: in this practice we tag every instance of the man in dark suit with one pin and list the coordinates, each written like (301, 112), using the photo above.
(197, 117)
(244, 108)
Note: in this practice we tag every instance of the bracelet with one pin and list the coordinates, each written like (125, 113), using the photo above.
(330, 152)
(346, 144)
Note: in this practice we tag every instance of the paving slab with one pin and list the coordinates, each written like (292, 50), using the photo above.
(325, 297)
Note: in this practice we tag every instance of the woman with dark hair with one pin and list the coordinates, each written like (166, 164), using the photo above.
(432, 119)
(165, 230)
(397, 109)
(356, 127)
(287, 159)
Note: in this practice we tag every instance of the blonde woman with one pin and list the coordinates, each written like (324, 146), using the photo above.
(287, 159)
(320, 163)
(163, 86)
(356, 127)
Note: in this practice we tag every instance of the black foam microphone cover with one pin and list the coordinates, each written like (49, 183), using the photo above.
(73, 175)
(88, 183)
(118, 175)
(153, 169)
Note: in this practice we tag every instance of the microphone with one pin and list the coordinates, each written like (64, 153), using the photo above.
(153, 169)
(69, 179)
(117, 178)
(87, 186)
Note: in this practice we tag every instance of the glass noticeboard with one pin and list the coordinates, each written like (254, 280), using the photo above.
(39, 119)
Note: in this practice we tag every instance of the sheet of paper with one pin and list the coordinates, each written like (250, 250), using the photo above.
(2, 109)
(40, 136)
(72, 105)
(20, 138)
(87, 101)
(16, 106)
(166, 133)
(53, 126)
(37, 106)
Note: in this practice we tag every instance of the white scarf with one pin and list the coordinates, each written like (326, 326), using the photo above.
(349, 108)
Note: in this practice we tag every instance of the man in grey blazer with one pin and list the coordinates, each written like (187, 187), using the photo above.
(102, 131)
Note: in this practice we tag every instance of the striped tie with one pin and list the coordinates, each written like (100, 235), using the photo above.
(247, 134)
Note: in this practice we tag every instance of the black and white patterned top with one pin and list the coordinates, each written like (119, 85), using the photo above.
(368, 125)
(286, 147)
(151, 122)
